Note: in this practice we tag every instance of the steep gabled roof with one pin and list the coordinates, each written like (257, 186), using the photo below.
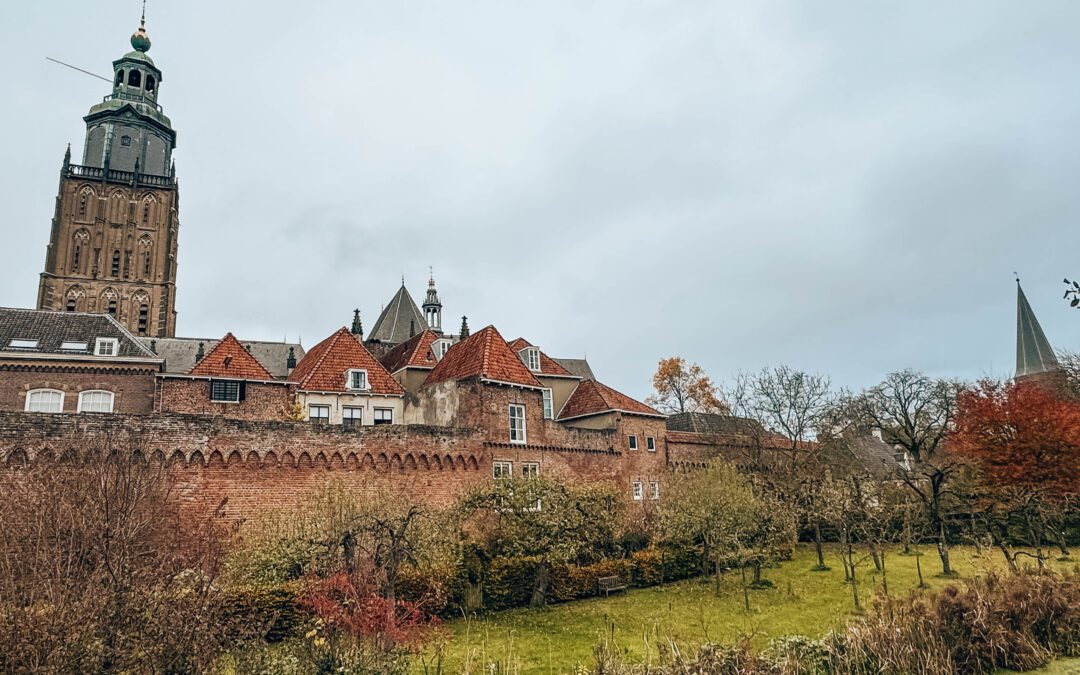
(229, 359)
(52, 329)
(548, 365)
(579, 367)
(1033, 352)
(483, 355)
(592, 398)
(180, 353)
(415, 352)
(325, 365)
(400, 320)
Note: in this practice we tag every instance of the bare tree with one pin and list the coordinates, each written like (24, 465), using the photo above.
(915, 412)
(791, 407)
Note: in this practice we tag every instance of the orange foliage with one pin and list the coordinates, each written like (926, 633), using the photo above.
(1020, 434)
(684, 388)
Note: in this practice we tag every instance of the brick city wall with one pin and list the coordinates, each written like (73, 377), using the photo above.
(133, 389)
(257, 466)
(261, 401)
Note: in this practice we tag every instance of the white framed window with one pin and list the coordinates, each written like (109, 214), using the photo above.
(440, 347)
(319, 414)
(637, 490)
(95, 401)
(502, 469)
(530, 469)
(352, 417)
(356, 379)
(633, 441)
(74, 346)
(45, 400)
(384, 416)
(650, 443)
(106, 347)
(531, 357)
(23, 344)
(654, 489)
(225, 391)
(549, 406)
(517, 423)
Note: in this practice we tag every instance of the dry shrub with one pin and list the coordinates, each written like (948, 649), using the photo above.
(98, 573)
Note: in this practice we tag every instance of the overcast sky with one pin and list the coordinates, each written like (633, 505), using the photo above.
(845, 187)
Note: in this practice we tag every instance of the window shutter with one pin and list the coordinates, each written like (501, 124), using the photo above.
(243, 390)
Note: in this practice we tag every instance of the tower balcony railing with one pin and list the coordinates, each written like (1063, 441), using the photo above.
(137, 98)
(114, 176)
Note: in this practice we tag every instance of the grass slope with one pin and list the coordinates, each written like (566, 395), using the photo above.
(561, 638)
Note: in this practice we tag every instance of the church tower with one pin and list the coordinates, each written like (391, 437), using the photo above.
(112, 248)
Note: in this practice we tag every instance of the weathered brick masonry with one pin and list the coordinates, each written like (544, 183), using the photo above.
(259, 466)
(133, 388)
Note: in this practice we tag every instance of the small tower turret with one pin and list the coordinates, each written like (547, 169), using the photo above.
(433, 307)
(357, 327)
(464, 327)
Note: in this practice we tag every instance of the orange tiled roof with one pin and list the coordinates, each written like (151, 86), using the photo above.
(486, 355)
(592, 398)
(413, 353)
(229, 359)
(323, 368)
(548, 365)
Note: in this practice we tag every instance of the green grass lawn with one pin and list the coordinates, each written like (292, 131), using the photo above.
(688, 613)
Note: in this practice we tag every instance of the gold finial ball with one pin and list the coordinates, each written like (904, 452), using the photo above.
(140, 40)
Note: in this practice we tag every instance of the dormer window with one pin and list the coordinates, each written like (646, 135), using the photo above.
(356, 380)
(23, 344)
(440, 347)
(531, 357)
(106, 347)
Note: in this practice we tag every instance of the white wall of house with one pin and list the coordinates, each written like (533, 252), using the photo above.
(368, 403)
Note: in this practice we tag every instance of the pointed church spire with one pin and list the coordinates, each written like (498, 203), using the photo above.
(357, 327)
(67, 158)
(1033, 352)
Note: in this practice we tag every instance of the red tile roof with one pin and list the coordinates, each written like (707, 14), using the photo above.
(415, 352)
(486, 355)
(592, 398)
(229, 359)
(323, 368)
(548, 365)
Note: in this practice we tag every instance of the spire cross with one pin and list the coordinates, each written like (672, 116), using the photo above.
(142, 21)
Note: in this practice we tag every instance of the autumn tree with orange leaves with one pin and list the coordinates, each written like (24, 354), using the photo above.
(1024, 438)
(1020, 434)
(682, 387)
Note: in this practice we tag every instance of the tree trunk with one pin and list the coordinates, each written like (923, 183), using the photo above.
(717, 579)
(943, 551)
(757, 571)
(876, 556)
(918, 566)
(818, 547)
(854, 581)
(884, 574)
(539, 594)
(745, 587)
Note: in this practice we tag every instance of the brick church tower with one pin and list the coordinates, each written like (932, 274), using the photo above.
(113, 245)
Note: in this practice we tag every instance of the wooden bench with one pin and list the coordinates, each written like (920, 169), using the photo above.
(609, 584)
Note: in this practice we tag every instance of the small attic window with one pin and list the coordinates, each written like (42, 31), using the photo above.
(134, 79)
(531, 357)
(356, 380)
(125, 140)
(23, 344)
(74, 346)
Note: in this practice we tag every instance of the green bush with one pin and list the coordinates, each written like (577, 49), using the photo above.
(509, 582)
(573, 582)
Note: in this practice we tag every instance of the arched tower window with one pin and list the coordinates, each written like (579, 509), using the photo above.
(135, 79)
(75, 296)
(140, 302)
(81, 239)
(85, 195)
(149, 210)
(146, 245)
(118, 207)
(110, 300)
(119, 77)
(150, 83)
